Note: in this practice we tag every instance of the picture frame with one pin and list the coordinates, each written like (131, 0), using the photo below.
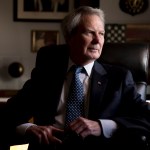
(24, 10)
(40, 38)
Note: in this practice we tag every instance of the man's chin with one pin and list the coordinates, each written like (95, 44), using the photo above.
(92, 58)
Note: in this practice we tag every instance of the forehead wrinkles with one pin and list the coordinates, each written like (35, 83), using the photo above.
(93, 21)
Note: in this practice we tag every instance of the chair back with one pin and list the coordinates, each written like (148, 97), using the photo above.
(134, 56)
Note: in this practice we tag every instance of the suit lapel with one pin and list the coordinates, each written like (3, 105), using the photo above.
(98, 85)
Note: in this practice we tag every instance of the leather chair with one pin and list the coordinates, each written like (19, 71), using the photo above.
(134, 56)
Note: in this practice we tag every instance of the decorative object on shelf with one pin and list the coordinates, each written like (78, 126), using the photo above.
(133, 7)
(27, 10)
(15, 69)
(42, 38)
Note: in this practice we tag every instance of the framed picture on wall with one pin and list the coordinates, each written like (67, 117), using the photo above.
(40, 38)
(41, 10)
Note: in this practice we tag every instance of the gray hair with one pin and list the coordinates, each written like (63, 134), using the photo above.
(72, 20)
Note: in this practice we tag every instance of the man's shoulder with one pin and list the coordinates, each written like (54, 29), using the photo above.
(115, 68)
(54, 49)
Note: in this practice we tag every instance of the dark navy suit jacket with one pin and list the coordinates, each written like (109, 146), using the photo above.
(114, 98)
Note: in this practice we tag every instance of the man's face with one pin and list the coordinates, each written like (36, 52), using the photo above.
(87, 43)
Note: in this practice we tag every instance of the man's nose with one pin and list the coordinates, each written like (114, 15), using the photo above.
(96, 38)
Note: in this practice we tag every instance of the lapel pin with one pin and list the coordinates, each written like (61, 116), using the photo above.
(99, 83)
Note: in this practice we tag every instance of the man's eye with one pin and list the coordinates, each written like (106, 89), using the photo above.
(89, 33)
(102, 33)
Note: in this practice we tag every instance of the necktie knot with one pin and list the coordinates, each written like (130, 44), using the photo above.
(78, 70)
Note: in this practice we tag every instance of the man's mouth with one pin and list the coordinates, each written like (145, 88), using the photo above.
(94, 48)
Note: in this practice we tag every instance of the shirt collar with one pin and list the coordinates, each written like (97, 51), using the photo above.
(87, 67)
